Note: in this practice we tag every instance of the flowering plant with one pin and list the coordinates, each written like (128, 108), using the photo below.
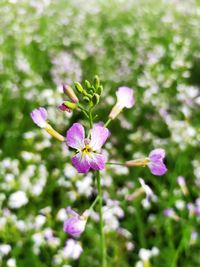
(88, 146)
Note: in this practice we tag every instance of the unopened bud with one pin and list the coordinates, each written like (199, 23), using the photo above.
(78, 87)
(87, 84)
(96, 81)
(63, 107)
(86, 94)
(86, 99)
(70, 93)
(70, 105)
(95, 99)
(100, 90)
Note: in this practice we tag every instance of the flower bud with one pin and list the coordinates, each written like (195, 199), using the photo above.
(96, 81)
(62, 107)
(95, 99)
(78, 87)
(87, 84)
(70, 93)
(70, 105)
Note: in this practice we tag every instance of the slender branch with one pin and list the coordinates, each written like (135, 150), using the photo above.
(90, 118)
(102, 236)
(107, 123)
(94, 203)
(115, 163)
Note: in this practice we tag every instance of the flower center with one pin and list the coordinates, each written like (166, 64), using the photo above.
(87, 149)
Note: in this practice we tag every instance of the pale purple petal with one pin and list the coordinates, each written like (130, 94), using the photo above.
(39, 116)
(157, 154)
(125, 97)
(72, 213)
(97, 161)
(75, 136)
(99, 135)
(74, 226)
(157, 168)
(81, 163)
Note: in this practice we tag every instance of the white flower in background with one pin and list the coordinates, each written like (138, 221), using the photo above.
(17, 200)
(11, 262)
(144, 254)
(72, 249)
(61, 215)
(4, 249)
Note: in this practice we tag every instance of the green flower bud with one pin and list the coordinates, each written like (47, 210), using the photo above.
(96, 81)
(100, 90)
(70, 105)
(95, 99)
(87, 84)
(86, 99)
(79, 87)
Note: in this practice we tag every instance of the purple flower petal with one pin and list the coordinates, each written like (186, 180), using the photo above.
(81, 162)
(157, 154)
(74, 226)
(72, 213)
(157, 168)
(125, 97)
(97, 161)
(39, 117)
(99, 135)
(76, 136)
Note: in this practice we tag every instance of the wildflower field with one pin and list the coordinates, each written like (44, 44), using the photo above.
(111, 177)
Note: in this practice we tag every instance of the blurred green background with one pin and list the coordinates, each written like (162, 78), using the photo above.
(151, 46)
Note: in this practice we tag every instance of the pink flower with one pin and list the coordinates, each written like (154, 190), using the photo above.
(125, 99)
(39, 117)
(87, 156)
(75, 224)
(156, 164)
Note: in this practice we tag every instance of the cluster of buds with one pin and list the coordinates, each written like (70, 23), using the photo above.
(89, 95)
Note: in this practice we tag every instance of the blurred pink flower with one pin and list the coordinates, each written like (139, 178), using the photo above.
(75, 224)
(156, 164)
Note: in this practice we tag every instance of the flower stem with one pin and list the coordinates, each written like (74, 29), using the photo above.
(90, 118)
(102, 236)
(115, 163)
(107, 123)
(94, 203)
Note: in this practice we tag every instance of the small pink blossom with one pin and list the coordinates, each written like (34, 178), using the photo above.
(39, 117)
(88, 155)
(75, 224)
(125, 99)
(156, 164)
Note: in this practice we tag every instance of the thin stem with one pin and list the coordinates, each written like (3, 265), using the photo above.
(108, 122)
(90, 118)
(94, 203)
(102, 236)
(115, 163)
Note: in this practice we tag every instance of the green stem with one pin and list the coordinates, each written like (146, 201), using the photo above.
(102, 236)
(107, 123)
(90, 118)
(94, 203)
(115, 163)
